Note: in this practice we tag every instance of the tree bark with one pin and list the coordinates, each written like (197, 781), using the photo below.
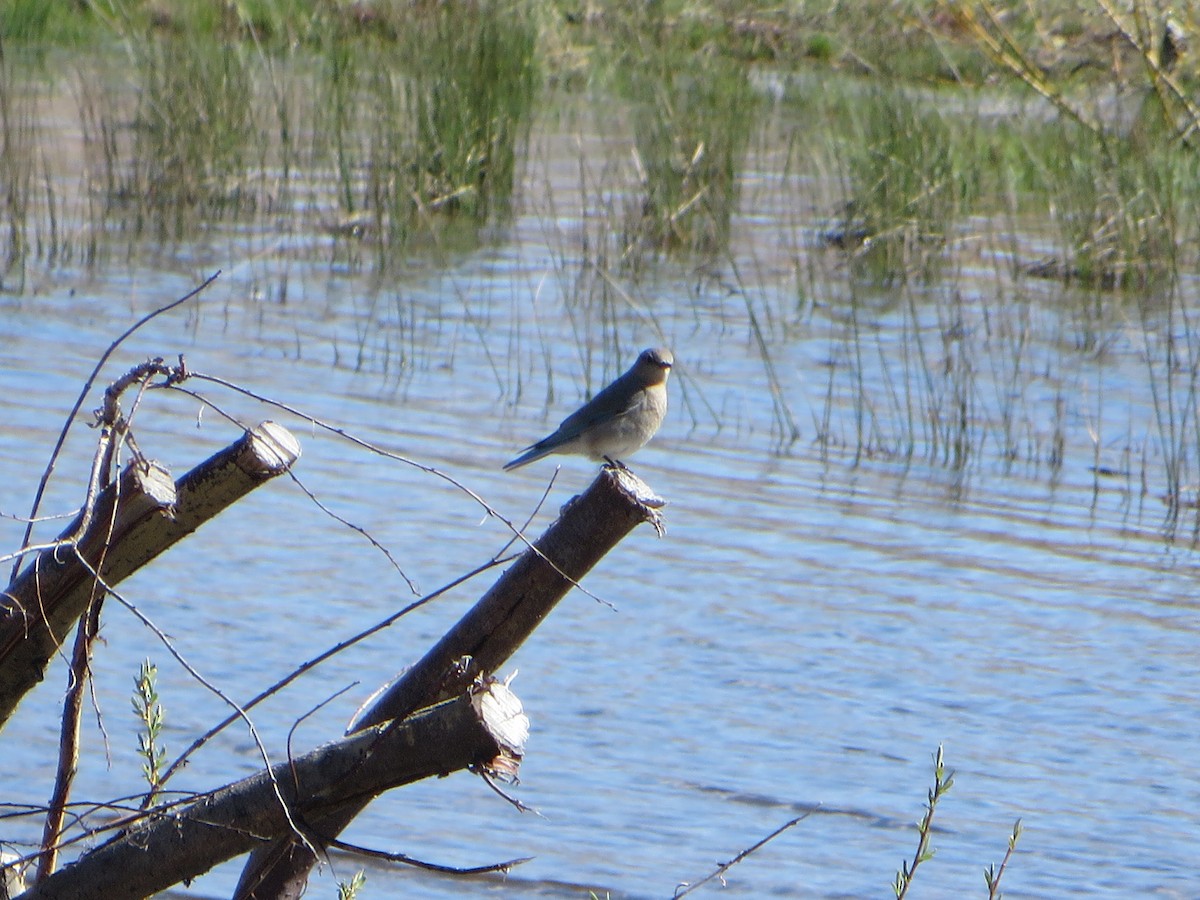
(476, 728)
(587, 528)
(135, 519)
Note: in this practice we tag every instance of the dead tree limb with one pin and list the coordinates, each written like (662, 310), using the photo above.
(587, 528)
(476, 728)
(135, 519)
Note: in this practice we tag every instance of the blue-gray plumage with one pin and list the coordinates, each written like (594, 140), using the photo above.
(618, 420)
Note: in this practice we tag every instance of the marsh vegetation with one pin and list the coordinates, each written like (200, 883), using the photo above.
(1022, 233)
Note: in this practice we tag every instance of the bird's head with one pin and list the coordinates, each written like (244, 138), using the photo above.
(654, 365)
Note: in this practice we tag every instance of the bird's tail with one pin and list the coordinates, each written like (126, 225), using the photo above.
(535, 452)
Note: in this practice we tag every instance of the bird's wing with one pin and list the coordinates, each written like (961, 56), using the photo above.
(602, 406)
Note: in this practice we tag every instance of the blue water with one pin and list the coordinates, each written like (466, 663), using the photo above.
(804, 637)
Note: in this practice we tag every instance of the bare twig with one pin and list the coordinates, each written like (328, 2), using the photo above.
(1165, 85)
(518, 533)
(322, 657)
(87, 387)
(69, 733)
(54, 517)
(175, 379)
(1004, 50)
(300, 721)
(204, 682)
(726, 866)
(123, 815)
(537, 507)
(291, 759)
(420, 864)
(412, 586)
(503, 794)
(103, 464)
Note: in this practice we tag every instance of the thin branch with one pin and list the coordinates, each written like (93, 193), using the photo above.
(420, 864)
(191, 670)
(1164, 83)
(726, 866)
(55, 517)
(991, 874)
(176, 377)
(518, 533)
(291, 758)
(106, 459)
(503, 794)
(106, 462)
(1005, 51)
(36, 548)
(87, 387)
(69, 733)
(358, 528)
(322, 657)
(537, 507)
(128, 815)
(300, 721)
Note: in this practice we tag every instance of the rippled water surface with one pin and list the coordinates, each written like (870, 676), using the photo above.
(806, 634)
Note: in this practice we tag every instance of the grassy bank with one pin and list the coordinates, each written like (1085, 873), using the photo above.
(915, 40)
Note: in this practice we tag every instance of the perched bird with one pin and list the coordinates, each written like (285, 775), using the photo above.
(618, 420)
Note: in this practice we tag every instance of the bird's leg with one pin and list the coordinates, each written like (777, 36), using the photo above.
(616, 463)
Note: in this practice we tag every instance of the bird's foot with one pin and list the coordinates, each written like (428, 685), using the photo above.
(616, 464)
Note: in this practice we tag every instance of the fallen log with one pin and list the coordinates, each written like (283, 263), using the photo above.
(588, 527)
(484, 727)
(134, 520)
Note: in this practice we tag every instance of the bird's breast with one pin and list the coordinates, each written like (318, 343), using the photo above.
(629, 430)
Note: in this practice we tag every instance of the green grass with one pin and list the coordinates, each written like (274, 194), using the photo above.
(421, 114)
(693, 115)
(424, 134)
(42, 23)
(910, 175)
(916, 40)
(472, 89)
(193, 133)
(1124, 208)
